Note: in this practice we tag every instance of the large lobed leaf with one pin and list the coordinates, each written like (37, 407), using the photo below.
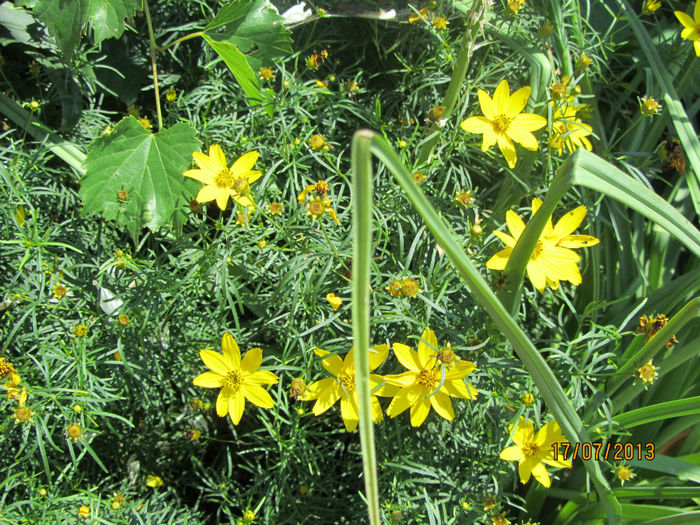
(247, 35)
(65, 19)
(147, 166)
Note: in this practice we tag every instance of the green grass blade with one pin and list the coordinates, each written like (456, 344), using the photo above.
(542, 375)
(657, 492)
(657, 412)
(687, 518)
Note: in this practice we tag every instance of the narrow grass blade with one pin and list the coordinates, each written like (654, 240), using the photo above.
(657, 412)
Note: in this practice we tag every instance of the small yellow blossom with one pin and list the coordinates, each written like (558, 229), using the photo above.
(500, 519)
(647, 373)
(275, 208)
(297, 388)
(84, 512)
(435, 113)
(222, 182)
(249, 516)
(464, 198)
(415, 18)
(322, 84)
(410, 287)
(553, 259)
(504, 122)
(42, 492)
(266, 73)
(171, 95)
(583, 62)
(80, 330)
(623, 473)
(691, 26)
(568, 130)
(418, 177)
(193, 434)
(514, 6)
(402, 144)
(396, 516)
(351, 86)
(122, 196)
(317, 142)
(22, 414)
(316, 59)
(650, 7)
(77, 409)
(145, 122)
(394, 288)
(118, 501)
(133, 111)
(239, 379)
(242, 218)
(465, 505)
(124, 319)
(74, 431)
(322, 187)
(7, 371)
(34, 105)
(153, 481)
(528, 399)
(489, 502)
(532, 451)
(334, 300)
(649, 107)
(440, 23)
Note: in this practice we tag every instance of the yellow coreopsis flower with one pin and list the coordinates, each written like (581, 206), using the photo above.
(691, 28)
(334, 301)
(421, 385)
(534, 451)
(568, 130)
(239, 379)
(153, 481)
(222, 182)
(504, 122)
(553, 259)
(342, 386)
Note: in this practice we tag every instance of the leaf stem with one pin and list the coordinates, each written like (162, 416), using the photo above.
(153, 48)
(181, 39)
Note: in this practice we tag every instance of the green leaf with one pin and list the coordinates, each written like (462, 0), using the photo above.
(673, 466)
(65, 19)
(659, 411)
(16, 25)
(247, 35)
(147, 166)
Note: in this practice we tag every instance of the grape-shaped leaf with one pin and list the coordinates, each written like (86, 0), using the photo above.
(65, 19)
(135, 177)
(246, 35)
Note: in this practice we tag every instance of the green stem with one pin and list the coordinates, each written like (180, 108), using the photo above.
(361, 260)
(153, 48)
(181, 39)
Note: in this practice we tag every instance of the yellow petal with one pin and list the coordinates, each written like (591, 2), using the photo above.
(377, 414)
(501, 97)
(459, 370)
(508, 149)
(377, 355)
(684, 18)
(253, 175)
(348, 411)
(404, 399)
(523, 137)
(578, 241)
(222, 199)
(524, 433)
(476, 125)
(539, 472)
(512, 454)
(515, 224)
(251, 360)
(246, 201)
(442, 405)
(405, 380)
(215, 362)
(518, 101)
(427, 347)
(525, 468)
(419, 411)
(258, 396)
(236, 405)
(208, 380)
(232, 354)
(688, 32)
(328, 394)
(222, 402)
(207, 163)
(500, 260)
(262, 377)
(569, 222)
(488, 107)
(562, 254)
(217, 157)
(407, 357)
(490, 138)
(697, 47)
(208, 194)
(334, 301)
(244, 163)
(201, 175)
(696, 12)
(333, 363)
(536, 274)
(528, 121)
(505, 238)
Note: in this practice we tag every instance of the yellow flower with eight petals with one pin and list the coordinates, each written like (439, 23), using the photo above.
(532, 451)
(568, 130)
(553, 259)
(503, 121)
(422, 385)
(239, 379)
(222, 182)
(691, 28)
(342, 386)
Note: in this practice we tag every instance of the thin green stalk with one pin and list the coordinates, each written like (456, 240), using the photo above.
(181, 39)
(366, 142)
(153, 48)
(361, 260)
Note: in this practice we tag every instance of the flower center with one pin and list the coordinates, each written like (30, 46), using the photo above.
(539, 248)
(646, 372)
(316, 208)
(348, 382)
(501, 123)
(224, 179)
(240, 185)
(429, 378)
(530, 449)
(233, 380)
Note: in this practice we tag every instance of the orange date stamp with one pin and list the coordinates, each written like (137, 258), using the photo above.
(608, 452)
